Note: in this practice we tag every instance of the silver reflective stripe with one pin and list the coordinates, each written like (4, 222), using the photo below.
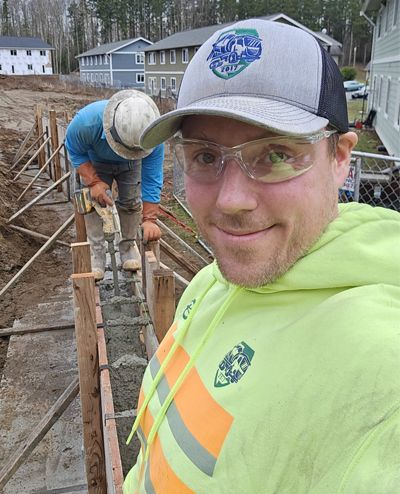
(147, 481)
(142, 437)
(187, 442)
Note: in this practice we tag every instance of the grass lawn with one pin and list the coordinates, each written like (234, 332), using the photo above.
(368, 141)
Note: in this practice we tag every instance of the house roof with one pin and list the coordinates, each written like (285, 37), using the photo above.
(196, 37)
(111, 47)
(23, 42)
(371, 5)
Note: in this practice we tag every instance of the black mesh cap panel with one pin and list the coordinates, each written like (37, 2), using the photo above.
(332, 101)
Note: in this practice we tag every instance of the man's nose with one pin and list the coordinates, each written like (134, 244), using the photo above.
(236, 190)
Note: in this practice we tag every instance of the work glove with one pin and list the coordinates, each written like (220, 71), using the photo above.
(98, 188)
(151, 231)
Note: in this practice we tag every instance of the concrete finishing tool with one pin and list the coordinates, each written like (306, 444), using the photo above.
(84, 205)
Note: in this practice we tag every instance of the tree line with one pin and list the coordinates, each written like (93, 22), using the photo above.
(75, 26)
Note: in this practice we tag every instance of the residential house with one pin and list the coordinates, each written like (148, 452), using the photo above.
(384, 80)
(166, 60)
(25, 56)
(119, 64)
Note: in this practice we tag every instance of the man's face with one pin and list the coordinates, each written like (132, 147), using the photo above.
(259, 230)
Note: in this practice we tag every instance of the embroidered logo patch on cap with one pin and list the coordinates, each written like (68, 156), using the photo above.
(234, 365)
(233, 51)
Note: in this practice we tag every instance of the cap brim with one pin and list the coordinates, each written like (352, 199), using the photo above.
(276, 116)
(108, 115)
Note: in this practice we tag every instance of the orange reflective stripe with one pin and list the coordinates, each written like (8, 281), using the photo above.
(166, 344)
(163, 478)
(195, 403)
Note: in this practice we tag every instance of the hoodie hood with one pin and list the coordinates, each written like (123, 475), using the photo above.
(360, 236)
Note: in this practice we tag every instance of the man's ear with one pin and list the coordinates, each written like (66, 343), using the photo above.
(344, 147)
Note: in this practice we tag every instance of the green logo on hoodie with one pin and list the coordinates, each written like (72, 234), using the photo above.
(234, 365)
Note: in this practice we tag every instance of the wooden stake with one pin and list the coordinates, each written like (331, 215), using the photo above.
(42, 249)
(36, 235)
(37, 198)
(54, 145)
(39, 125)
(164, 301)
(177, 276)
(89, 379)
(30, 160)
(151, 265)
(26, 151)
(80, 227)
(81, 257)
(41, 170)
(38, 433)
(24, 142)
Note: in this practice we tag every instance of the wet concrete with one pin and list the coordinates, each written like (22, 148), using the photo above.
(127, 360)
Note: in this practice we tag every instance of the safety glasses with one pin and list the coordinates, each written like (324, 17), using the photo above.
(269, 160)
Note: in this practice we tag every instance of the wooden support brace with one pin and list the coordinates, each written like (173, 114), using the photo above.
(37, 198)
(151, 265)
(38, 433)
(80, 227)
(163, 288)
(34, 329)
(24, 142)
(89, 379)
(27, 151)
(177, 276)
(30, 160)
(41, 170)
(38, 236)
(42, 249)
(178, 258)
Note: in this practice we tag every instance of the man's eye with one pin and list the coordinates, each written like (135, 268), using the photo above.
(277, 157)
(205, 158)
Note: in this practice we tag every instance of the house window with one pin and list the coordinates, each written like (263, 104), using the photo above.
(107, 59)
(140, 58)
(29, 53)
(162, 57)
(395, 12)
(95, 60)
(91, 60)
(13, 53)
(380, 92)
(196, 49)
(185, 55)
(172, 56)
(173, 83)
(140, 78)
(379, 22)
(387, 98)
(43, 69)
(30, 66)
(12, 69)
(0, 67)
(83, 61)
(43, 53)
(387, 17)
(152, 58)
(163, 83)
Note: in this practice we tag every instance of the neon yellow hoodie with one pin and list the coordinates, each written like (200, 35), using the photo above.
(293, 387)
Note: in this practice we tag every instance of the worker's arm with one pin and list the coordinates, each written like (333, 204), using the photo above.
(79, 139)
(152, 180)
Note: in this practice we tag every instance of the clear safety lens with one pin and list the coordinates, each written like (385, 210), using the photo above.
(267, 160)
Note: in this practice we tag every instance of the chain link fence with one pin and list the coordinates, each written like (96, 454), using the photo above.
(373, 179)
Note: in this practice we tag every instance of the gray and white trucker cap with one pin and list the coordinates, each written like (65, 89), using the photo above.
(263, 73)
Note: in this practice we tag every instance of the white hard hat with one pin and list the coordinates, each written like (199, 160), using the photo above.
(125, 117)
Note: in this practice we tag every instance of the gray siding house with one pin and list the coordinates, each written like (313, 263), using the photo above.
(119, 64)
(166, 60)
(25, 56)
(384, 96)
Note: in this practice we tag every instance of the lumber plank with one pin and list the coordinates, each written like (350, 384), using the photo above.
(39, 125)
(55, 145)
(81, 257)
(164, 301)
(151, 264)
(38, 433)
(27, 151)
(30, 160)
(38, 198)
(89, 380)
(42, 249)
(178, 258)
(24, 142)
(36, 235)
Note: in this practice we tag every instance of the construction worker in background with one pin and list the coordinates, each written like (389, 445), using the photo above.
(280, 373)
(103, 145)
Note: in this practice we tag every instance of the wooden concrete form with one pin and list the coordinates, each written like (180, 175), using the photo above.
(164, 301)
(54, 145)
(89, 379)
(80, 226)
(38, 433)
(81, 257)
(178, 258)
(114, 473)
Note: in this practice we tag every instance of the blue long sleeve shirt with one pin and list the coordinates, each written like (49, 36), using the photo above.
(86, 141)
